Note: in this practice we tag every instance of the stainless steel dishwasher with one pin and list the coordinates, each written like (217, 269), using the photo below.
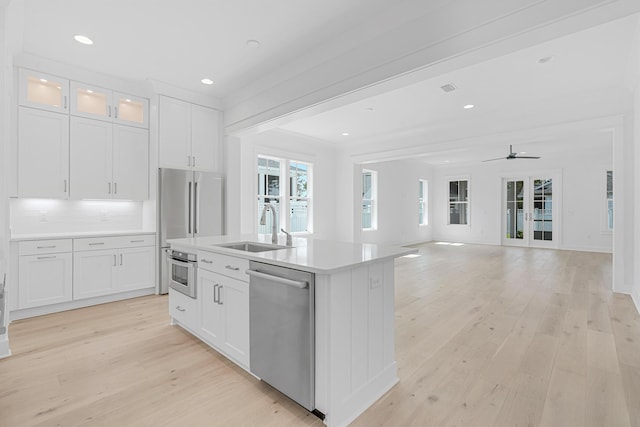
(282, 330)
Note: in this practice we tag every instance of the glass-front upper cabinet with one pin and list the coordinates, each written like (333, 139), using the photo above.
(102, 104)
(130, 110)
(43, 91)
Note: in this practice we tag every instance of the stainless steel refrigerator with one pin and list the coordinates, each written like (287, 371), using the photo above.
(191, 205)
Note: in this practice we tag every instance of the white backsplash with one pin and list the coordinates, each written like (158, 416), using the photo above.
(37, 216)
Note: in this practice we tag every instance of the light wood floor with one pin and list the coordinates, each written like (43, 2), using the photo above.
(485, 336)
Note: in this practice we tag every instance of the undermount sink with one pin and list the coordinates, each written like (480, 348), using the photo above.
(251, 246)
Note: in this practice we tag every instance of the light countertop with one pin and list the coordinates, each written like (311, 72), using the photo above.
(76, 234)
(313, 255)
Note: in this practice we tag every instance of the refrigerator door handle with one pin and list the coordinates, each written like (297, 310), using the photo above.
(196, 208)
(189, 216)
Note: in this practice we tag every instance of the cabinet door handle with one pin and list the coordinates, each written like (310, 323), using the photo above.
(229, 267)
(189, 161)
(65, 185)
(220, 295)
(115, 188)
(46, 247)
(116, 111)
(137, 241)
(114, 260)
(180, 308)
(206, 261)
(65, 102)
(97, 243)
(109, 110)
(46, 257)
(193, 161)
(120, 259)
(215, 288)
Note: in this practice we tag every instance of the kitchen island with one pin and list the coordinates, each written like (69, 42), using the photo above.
(353, 312)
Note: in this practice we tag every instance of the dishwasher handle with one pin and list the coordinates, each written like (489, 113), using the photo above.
(295, 283)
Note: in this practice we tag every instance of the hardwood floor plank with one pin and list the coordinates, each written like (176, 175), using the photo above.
(485, 336)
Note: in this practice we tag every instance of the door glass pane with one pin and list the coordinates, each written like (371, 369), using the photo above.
(92, 102)
(453, 191)
(299, 212)
(130, 110)
(543, 209)
(44, 91)
(366, 213)
(514, 210)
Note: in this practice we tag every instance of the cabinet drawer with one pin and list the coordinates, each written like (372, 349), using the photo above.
(136, 241)
(222, 264)
(183, 309)
(113, 242)
(35, 247)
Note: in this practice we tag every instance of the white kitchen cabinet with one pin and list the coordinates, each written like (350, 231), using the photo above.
(224, 314)
(108, 161)
(43, 91)
(95, 273)
(43, 154)
(183, 309)
(205, 139)
(189, 136)
(44, 273)
(100, 269)
(104, 104)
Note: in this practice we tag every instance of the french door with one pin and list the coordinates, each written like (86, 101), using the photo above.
(529, 212)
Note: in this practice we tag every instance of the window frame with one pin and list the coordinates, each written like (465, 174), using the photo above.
(284, 197)
(467, 202)
(423, 202)
(373, 199)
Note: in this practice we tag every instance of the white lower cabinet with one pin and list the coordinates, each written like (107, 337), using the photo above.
(183, 309)
(224, 314)
(103, 272)
(44, 279)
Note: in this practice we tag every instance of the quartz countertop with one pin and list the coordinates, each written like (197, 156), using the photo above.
(313, 255)
(76, 234)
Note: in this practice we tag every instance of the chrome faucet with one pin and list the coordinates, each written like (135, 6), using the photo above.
(274, 223)
(289, 242)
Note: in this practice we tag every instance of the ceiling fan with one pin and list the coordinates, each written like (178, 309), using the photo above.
(512, 156)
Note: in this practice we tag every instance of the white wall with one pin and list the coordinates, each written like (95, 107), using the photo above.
(581, 198)
(241, 200)
(397, 203)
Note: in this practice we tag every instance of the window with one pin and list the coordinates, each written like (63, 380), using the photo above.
(422, 202)
(459, 202)
(609, 200)
(369, 194)
(274, 185)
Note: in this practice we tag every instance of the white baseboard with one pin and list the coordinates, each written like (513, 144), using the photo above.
(635, 297)
(5, 351)
(71, 305)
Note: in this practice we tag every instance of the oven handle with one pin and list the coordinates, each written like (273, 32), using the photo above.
(188, 264)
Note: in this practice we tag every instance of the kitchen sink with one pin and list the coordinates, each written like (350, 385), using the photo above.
(251, 246)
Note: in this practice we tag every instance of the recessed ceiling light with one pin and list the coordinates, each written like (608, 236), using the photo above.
(468, 106)
(207, 81)
(89, 91)
(127, 100)
(253, 43)
(83, 39)
(345, 133)
(546, 59)
(44, 80)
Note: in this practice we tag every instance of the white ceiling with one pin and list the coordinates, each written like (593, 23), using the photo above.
(514, 88)
(181, 42)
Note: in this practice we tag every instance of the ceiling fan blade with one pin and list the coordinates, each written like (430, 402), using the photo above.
(491, 160)
(526, 157)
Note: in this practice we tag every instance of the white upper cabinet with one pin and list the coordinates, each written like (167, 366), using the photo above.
(108, 161)
(43, 154)
(103, 104)
(189, 136)
(43, 91)
(175, 133)
(205, 140)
